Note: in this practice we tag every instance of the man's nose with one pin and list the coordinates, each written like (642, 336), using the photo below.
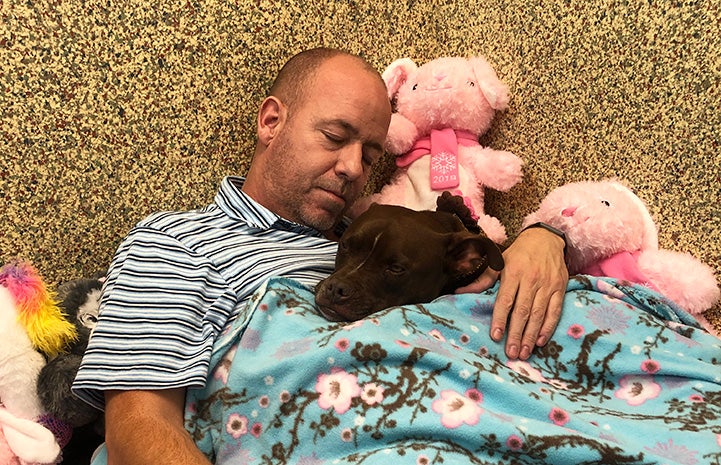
(350, 162)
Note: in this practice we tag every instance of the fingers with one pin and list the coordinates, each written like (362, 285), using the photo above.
(555, 306)
(502, 308)
(530, 296)
(530, 311)
(520, 307)
(527, 318)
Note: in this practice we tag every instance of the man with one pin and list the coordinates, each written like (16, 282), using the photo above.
(178, 279)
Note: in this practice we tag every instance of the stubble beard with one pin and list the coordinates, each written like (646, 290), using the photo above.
(292, 196)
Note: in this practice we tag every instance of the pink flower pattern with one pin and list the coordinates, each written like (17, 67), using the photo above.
(342, 344)
(674, 453)
(457, 409)
(650, 366)
(559, 416)
(256, 429)
(524, 368)
(437, 335)
(372, 394)
(576, 331)
(337, 390)
(514, 442)
(637, 389)
(237, 425)
(223, 367)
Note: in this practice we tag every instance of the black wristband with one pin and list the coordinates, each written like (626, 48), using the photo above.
(555, 231)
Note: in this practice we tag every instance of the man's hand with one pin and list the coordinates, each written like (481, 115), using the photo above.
(533, 284)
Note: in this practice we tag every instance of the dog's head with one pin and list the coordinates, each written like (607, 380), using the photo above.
(392, 255)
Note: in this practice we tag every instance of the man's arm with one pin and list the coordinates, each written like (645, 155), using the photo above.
(531, 291)
(146, 427)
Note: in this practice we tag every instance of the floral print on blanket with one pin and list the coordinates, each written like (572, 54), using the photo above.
(627, 379)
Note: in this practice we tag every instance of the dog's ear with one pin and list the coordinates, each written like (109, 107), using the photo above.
(469, 255)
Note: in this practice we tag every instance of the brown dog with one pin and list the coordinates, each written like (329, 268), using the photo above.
(392, 255)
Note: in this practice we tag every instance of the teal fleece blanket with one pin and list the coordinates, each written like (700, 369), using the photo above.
(628, 378)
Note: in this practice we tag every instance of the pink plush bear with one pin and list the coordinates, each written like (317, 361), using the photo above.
(611, 233)
(440, 110)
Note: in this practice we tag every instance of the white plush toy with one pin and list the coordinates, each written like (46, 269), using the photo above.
(30, 323)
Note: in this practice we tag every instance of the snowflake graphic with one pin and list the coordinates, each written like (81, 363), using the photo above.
(444, 162)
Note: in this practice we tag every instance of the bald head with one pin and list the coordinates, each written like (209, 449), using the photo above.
(319, 131)
(297, 75)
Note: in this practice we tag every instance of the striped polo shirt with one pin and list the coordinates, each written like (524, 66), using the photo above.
(178, 279)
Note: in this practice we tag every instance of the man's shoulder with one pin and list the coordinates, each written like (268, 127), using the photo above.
(168, 220)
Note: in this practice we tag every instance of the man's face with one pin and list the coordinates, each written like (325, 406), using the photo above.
(320, 160)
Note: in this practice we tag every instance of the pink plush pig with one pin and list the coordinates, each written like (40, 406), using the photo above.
(611, 233)
(441, 108)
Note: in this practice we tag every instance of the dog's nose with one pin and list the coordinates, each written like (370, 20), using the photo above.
(337, 291)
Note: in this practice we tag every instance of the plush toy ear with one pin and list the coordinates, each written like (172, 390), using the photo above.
(650, 233)
(469, 255)
(495, 91)
(396, 74)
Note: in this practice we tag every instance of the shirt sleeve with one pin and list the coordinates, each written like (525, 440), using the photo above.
(162, 307)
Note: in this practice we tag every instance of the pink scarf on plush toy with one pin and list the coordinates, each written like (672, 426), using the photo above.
(623, 265)
(442, 145)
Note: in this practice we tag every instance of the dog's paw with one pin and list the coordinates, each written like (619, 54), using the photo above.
(456, 205)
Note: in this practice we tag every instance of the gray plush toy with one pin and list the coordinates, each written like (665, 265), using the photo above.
(80, 300)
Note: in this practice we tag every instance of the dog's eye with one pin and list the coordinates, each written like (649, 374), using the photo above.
(395, 269)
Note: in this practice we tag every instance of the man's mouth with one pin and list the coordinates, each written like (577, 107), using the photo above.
(333, 200)
(336, 189)
(337, 194)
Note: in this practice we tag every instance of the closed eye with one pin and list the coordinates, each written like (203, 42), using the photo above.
(395, 269)
(334, 138)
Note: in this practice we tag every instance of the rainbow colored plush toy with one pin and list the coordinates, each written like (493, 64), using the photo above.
(31, 326)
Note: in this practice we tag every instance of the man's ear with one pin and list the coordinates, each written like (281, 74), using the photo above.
(271, 117)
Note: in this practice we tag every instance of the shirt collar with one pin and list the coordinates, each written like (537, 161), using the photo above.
(240, 206)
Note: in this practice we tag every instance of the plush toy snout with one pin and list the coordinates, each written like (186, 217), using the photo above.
(568, 211)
